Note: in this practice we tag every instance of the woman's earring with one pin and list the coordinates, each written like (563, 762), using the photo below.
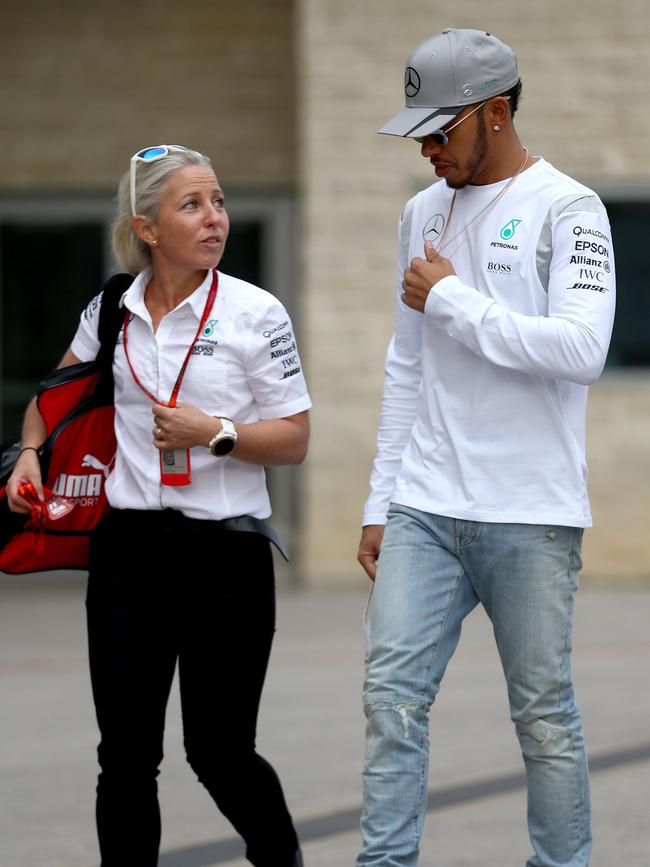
(496, 127)
(154, 243)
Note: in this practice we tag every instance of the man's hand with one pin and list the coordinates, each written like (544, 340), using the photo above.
(422, 275)
(369, 548)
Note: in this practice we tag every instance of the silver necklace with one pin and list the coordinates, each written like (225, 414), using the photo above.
(478, 218)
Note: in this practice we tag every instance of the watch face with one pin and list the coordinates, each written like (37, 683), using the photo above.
(223, 446)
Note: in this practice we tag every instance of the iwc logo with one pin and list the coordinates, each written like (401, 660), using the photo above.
(411, 82)
(433, 228)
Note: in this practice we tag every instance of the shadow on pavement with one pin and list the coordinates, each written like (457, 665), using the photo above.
(344, 821)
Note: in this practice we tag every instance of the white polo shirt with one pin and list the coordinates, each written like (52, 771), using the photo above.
(245, 365)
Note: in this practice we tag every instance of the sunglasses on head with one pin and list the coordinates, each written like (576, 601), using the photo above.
(149, 155)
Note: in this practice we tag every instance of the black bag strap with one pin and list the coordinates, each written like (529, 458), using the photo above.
(111, 316)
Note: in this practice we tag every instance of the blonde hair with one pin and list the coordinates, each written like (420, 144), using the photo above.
(132, 253)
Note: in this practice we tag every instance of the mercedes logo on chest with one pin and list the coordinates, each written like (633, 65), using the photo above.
(411, 81)
(433, 228)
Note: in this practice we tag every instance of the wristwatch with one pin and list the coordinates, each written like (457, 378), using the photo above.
(224, 442)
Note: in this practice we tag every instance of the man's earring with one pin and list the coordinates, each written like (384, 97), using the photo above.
(496, 127)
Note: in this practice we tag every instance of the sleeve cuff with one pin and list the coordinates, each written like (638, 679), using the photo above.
(437, 292)
(81, 349)
(282, 410)
(373, 517)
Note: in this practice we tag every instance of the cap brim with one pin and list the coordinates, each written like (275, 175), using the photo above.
(418, 122)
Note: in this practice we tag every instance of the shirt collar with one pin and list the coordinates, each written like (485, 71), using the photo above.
(133, 298)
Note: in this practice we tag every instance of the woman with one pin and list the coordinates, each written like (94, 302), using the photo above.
(168, 579)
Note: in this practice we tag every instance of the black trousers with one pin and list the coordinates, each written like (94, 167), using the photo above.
(165, 588)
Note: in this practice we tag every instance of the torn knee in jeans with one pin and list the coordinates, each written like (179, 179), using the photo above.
(403, 708)
(539, 738)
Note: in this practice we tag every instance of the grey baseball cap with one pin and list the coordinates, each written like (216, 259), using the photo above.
(445, 73)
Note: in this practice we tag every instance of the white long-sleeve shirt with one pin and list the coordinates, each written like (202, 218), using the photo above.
(483, 412)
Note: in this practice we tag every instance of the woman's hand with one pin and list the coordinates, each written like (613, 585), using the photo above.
(268, 442)
(27, 469)
(182, 426)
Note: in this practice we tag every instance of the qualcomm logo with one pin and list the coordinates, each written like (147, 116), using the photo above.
(508, 231)
(83, 488)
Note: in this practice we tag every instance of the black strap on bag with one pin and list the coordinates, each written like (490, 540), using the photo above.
(111, 317)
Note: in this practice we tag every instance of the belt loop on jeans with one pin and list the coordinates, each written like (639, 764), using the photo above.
(248, 524)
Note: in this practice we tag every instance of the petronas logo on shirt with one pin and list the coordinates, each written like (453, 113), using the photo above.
(508, 231)
(211, 324)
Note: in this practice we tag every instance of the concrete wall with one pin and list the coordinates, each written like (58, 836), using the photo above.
(85, 83)
(586, 70)
(618, 452)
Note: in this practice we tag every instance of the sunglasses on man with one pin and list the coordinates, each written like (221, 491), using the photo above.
(441, 136)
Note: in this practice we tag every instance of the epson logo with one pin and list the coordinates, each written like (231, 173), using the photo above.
(599, 249)
(284, 338)
(499, 268)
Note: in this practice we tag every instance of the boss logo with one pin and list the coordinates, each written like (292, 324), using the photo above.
(201, 349)
(499, 268)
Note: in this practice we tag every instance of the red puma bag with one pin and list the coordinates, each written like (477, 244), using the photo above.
(76, 404)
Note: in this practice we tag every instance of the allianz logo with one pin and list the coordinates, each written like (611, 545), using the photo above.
(86, 485)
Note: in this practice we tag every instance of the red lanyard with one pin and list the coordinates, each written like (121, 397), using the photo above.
(212, 294)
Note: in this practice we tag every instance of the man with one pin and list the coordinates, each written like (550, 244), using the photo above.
(504, 313)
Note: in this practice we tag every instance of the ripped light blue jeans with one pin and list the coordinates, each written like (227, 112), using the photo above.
(432, 572)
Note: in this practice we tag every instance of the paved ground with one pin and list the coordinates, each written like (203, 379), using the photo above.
(311, 727)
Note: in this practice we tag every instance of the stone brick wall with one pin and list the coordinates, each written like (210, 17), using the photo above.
(586, 73)
(83, 84)
(290, 93)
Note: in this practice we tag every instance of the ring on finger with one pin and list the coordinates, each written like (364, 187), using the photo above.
(158, 432)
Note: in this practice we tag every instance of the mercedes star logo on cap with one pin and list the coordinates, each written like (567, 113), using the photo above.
(411, 81)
